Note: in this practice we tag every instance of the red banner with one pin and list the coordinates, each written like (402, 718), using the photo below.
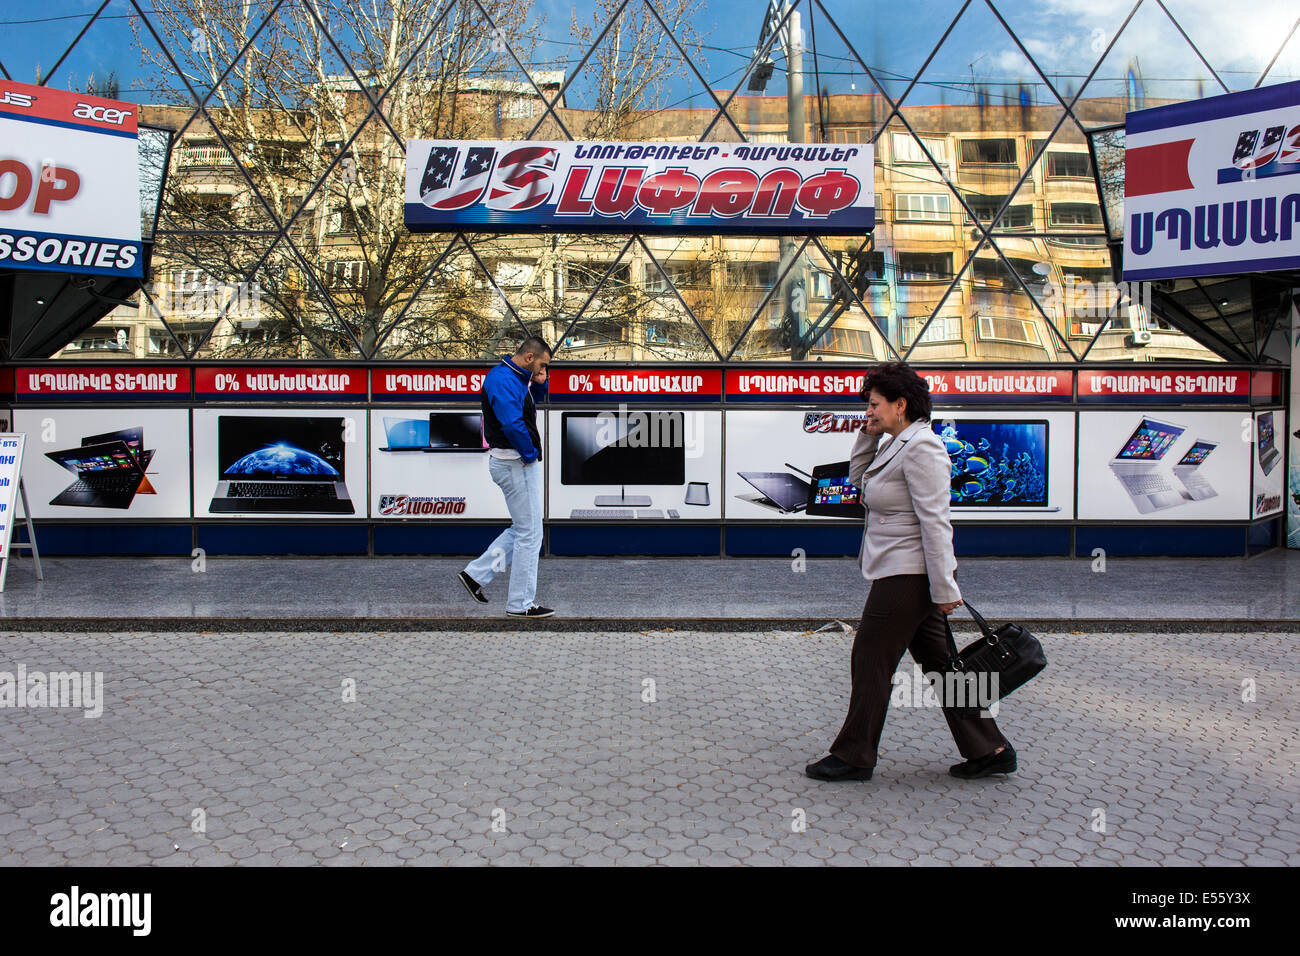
(130, 382)
(761, 385)
(427, 382)
(245, 384)
(682, 384)
(1000, 385)
(1203, 386)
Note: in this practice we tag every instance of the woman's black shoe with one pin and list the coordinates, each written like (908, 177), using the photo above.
(833, 768)
(1004, 761)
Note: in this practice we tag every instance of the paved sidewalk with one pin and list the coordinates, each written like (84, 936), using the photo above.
(552, 737)
(750, 594)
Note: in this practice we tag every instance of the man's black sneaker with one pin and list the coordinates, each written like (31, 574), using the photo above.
(535, 611)
(473, 587)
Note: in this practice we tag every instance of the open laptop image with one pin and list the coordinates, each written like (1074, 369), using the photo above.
(280, 464)
(1195, 486)
(107, 475)
(1268, 453)
(781, 490)
(406, 434)
(134, 438)
(1136, 465)
(832, 495)
(455, 431)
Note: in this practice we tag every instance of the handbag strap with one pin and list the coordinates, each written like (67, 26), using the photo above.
(979, 619)
(954, 655)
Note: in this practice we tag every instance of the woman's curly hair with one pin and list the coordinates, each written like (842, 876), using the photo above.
(896, 380)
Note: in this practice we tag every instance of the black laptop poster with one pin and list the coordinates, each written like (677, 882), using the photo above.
(92, 454)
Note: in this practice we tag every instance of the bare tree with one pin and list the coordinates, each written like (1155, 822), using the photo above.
(316, 112)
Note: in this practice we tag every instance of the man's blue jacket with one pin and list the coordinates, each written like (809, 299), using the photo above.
(509, 402)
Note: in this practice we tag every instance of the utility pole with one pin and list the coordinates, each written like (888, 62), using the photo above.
(794, 292)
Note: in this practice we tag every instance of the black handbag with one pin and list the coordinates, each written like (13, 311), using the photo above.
(990, 668)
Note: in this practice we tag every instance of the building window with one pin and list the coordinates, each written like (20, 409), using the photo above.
(682, 275)
(908, 150)
(664, 333)
(990, 152)
(342, 273)
(593, 332)
(920, 207)
(1076, 214)
(944, 328)
(848, 134)
(991, 328)
(583, 276)
(99, 339)
(924, 266)
(1063, 165)
(1019, 216)
(993, 272)
(753, 275)
(511, 274)
(848, 341)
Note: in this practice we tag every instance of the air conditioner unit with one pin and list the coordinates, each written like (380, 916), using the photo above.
(1139, 337)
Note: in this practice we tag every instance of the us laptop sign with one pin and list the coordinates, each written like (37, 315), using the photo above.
(69, 182)
(1212, 186)
(714, 188)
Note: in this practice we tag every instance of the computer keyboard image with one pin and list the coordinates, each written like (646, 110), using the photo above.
(274, 489)
(1145, 484)
(616, 513)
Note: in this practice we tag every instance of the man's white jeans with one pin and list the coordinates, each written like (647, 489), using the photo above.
(518, 546)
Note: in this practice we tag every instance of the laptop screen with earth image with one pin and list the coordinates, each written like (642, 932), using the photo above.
(255, 448)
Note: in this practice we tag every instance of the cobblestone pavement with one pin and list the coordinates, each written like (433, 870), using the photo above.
(553, 738)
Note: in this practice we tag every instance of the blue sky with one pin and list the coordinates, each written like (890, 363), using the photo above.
(1066, 37)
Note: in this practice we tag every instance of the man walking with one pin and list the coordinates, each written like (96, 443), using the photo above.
(509, 395)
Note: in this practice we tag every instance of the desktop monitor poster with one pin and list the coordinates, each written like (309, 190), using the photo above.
(1158, 465)
(69, 450)
(633, 463)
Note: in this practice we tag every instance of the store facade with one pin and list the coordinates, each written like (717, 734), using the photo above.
(287, 301)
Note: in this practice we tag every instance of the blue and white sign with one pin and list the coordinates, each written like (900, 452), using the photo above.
(671, 187)
(1212, 186)
(69, 182)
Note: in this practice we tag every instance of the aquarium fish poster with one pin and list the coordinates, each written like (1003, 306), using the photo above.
(1009, 467)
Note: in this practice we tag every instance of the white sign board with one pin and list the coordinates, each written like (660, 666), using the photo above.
(1212, 186)
(11, 464)
(69, 182)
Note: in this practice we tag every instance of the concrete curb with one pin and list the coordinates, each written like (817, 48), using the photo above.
(571, 625)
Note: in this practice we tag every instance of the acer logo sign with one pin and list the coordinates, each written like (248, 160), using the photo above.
(10, 98)
(101, 114)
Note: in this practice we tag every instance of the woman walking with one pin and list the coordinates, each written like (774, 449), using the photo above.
(905, 474)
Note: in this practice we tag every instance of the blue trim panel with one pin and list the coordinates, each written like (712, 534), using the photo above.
(109, 539)
(574, 541)
(817, 542)
(307, 539)
(1214, 268)
(1213, 107)
(1265, 535)
(427, 537)
(1202, 541)
(1004, 540)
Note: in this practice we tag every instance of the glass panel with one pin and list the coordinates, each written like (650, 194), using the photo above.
(1149, 65)
(456, 314)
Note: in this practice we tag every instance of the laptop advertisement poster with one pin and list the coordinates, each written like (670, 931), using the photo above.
(1165, 465)
(430, 463)
(1004, 466)
(1268, 471)
(307, 463)
(106, 463)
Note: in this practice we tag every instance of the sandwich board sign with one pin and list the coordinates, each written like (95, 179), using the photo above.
(11, 463)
